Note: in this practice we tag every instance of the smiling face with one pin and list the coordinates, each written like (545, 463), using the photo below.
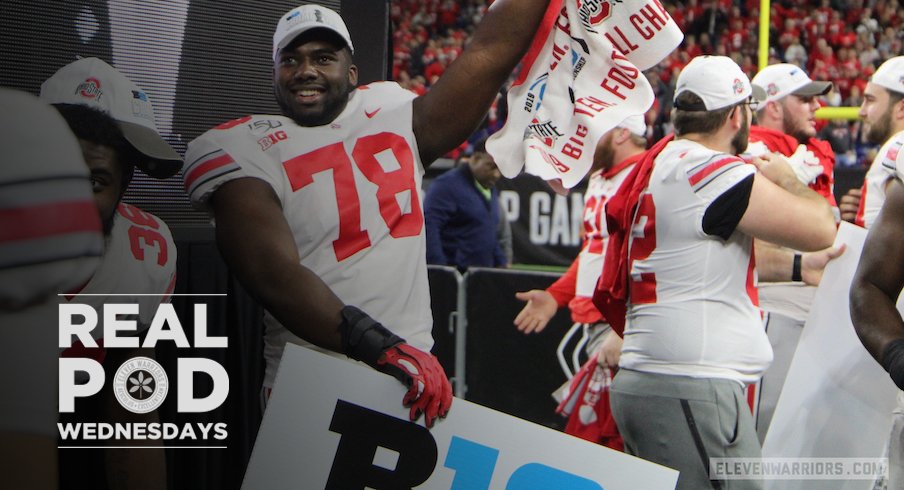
(313, 77)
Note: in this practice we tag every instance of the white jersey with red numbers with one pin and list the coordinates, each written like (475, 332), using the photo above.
(692, 306)
(138, 267)
(599, 189)
(351, 194)
(882, 169)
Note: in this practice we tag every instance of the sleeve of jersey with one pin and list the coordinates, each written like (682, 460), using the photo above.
(715, 177)
(563, 290)
(228, 152)
(208, 166)
(893, 161)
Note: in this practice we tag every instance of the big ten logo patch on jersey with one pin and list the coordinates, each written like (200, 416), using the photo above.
(140, 384)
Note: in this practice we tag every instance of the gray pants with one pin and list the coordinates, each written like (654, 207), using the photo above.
(681, 422)
(784, 335)
(896, 453)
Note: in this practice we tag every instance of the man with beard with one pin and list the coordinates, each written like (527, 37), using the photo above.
(878, 282)
(883, 116)
(316, 208)
(786, 125)
(461, 213)
(679, 276)
(114, 122)
(616, 153)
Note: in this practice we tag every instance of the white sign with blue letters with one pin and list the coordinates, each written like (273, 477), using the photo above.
(337, 424)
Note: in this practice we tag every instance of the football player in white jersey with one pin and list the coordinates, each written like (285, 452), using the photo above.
(693, 335)
(318, 211)
(114, 122)
(883, 117)
(50, 241)
(880, 275)
(875, 290)
(617, 151)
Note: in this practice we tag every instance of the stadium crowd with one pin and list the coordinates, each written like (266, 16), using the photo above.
(838, 40)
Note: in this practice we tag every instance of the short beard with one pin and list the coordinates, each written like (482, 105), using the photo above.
(800, 134)
(879, 132)
(740, 140)
(605, 154)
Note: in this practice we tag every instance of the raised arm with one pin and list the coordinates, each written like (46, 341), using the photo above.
(878, 282)
(452, 109)
(783, 211)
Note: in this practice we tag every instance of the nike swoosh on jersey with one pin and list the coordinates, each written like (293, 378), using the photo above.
(372, 114)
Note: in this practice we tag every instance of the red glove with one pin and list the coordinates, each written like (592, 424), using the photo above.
(429, 391)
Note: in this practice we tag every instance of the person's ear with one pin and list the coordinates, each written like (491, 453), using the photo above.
(353, 75)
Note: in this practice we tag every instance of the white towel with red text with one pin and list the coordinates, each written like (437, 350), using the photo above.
(581, 77)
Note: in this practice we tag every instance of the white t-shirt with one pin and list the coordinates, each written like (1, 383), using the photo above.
(692, 306)
(366, 164)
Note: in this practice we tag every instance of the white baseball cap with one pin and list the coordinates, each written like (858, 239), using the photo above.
(783, 79)
(302, 19)
(718, 80)
(92, 82)
(635, 124)
(890, 75)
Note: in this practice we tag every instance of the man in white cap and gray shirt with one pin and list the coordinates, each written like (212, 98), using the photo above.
(786, 125)
(113, 120)
(693, 337)
(316, 208)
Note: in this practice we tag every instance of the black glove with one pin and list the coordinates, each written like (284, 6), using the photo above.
(893, 362)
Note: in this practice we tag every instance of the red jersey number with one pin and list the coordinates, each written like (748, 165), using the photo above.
(352, 238)
(643, 286)
(143, 233)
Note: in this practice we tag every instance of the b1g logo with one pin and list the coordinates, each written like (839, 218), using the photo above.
(139, 384)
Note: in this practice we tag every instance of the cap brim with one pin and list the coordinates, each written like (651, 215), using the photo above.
(813, 88)
(159, 159)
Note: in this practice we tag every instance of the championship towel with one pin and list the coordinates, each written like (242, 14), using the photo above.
(581, 77)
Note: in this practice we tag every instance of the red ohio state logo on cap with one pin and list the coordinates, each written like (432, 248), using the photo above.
(90, 88)
(738, 86)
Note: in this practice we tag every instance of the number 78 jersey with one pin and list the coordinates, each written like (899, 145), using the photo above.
(350, 192)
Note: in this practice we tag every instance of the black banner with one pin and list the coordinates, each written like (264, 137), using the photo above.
(546, 227)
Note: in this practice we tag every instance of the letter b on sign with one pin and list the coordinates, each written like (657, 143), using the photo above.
(363, 431)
